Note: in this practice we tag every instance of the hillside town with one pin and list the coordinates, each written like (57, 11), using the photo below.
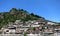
(31, 28)
(21, 23)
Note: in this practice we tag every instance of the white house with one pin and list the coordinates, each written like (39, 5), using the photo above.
(51, 23)
(35, 25)
(34, 34)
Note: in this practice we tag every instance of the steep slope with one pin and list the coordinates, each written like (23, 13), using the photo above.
(17, 14)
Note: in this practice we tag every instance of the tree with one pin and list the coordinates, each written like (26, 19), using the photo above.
(32, 14)
(25, 34)
(21, 9)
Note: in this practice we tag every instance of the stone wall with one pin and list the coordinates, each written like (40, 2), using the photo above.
(55, 34)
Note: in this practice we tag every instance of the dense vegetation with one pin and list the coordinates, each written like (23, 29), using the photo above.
(16, 14)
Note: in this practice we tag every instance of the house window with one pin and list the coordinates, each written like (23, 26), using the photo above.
(7, 30)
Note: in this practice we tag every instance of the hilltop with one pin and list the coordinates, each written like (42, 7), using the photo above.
(17, 14)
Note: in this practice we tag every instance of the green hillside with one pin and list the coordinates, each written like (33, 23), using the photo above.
(16, 14)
